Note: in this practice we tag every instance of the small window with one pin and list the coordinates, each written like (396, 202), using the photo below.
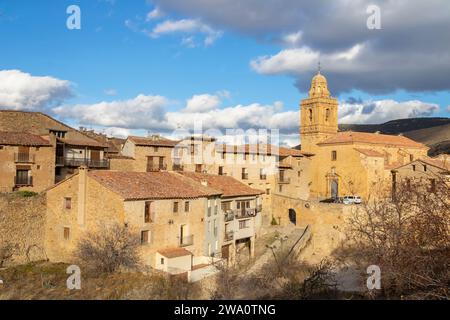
(333, 155)
(411, 158)
(145, 239)
(187, 206)
(220, 171)
(148, 212)
(267, 191)
(155, 149)
(68, 203)
(162, 260)
(425, 167)
(66, 233)
(414, 167)
(175, 207)
(38, 167)
(280, 188)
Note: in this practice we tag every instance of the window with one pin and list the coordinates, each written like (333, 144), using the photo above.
(414, 167)
(310, 115)
(411, 157)
(280, 188)
(155, 149)
(333, 155)
(327, 115)
(244, 174)
(148, 214)
(175, 207)
(68, 203)
(299, 173)
(220, 171)
(425, 168)
(243, 224)
(267, 191)
(187, 206)
(66, 233)
(145, 237)
(162, 260)
(198, 168)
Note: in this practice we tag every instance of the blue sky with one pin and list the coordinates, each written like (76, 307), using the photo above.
(119, 54)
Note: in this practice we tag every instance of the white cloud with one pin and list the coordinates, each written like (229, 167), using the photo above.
(140, 112)
(110, 92)
(293, 39)
(300, 60)
(22, 91)
(186, 26)
(374, 112)
(154, 14)
(202, 103)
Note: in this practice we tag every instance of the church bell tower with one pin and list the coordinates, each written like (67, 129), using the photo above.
(318, 115)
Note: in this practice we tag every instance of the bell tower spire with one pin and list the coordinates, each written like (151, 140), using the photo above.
(319, 114)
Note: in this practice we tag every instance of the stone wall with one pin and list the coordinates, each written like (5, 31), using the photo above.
(327, 221)
(22, 223)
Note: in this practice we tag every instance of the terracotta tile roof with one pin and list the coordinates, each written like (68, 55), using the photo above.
(82, 141)
(22, 139)
(373, 138)
(267, 149)
(174, 252)
(369, 152)
(151, 185)
(438, 163)
(229, 186)
(393, 165)
(153, 141)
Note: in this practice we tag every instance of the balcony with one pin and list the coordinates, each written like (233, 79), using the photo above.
(229, 215)
(229, 236)
(23, 181)
(187, 241)
(283, 180)
(24, 158)
(156, 167)
(247, 213)
(73, 162)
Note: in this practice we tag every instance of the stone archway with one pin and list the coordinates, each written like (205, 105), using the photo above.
(293, 216)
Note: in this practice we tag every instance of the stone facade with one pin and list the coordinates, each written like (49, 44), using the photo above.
(22, 223)
(39, 162)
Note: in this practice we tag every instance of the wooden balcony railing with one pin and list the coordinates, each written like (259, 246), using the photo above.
(74, 162)
(247, 213)
(23, 181)
(187, 241)
(24, 158)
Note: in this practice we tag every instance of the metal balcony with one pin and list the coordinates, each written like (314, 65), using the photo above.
(247, 213)
(229, 236)
(229, 215)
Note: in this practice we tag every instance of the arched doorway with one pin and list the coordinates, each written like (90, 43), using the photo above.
(293, 216)
(334, 187)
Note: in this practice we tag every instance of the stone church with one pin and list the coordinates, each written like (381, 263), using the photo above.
(348, 163)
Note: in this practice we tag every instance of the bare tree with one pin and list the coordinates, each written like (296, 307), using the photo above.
(6, 252)
(109, 248)
(408, 237)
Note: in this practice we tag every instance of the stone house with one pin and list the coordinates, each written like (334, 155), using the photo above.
(146, 154)
(239, 220)
(27, 162)
(165, 210)
(71, 148)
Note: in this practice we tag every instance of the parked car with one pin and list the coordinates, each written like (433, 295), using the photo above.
(351, 200)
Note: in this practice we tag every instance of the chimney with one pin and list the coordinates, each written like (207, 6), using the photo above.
(82, 188)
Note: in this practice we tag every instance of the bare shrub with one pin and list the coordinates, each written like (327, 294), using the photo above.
(6, 252)
(408, 236)
(108, 249)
